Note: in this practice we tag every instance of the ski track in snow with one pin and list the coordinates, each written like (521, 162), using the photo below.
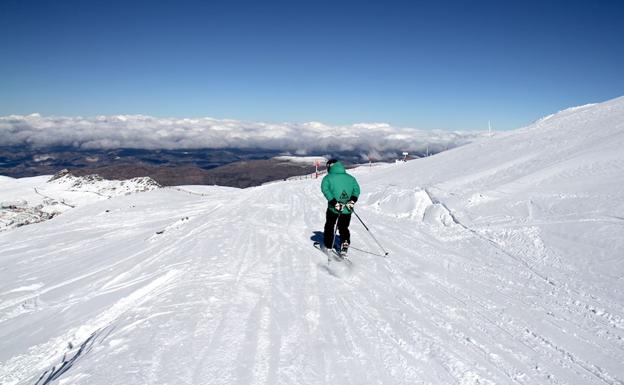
(418, 316)
(222, 286)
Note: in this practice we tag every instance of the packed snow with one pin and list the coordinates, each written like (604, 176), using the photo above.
(505, 267)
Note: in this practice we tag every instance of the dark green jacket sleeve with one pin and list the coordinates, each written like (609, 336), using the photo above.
(326, 188)
(356, 188)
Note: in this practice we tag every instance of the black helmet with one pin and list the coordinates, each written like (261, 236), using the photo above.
(329, 163)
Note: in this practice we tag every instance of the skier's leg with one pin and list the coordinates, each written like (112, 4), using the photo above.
(328, 231)
(343, 228)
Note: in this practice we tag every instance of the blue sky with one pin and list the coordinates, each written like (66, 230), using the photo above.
(448, 64)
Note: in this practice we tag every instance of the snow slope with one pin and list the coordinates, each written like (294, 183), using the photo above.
(30, 200)
(505, 268)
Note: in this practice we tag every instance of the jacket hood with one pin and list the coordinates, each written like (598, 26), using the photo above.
(337, 168)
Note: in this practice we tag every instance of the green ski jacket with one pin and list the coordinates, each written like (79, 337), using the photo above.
(339, 185)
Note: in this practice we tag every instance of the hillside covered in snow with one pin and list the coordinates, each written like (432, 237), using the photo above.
(505, 267)
(26, 201)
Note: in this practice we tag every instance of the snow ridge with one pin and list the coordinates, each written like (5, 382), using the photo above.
(43, 198)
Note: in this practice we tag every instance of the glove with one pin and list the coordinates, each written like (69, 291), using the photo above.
(350, 205)
(338, 206)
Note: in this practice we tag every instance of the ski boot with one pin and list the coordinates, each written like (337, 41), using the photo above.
(344, 248)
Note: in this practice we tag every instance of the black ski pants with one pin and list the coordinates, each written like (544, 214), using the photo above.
(343, 228)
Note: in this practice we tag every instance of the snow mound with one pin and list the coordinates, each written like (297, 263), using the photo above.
(437, 214)
(4, 179)
(399, 202)
(408, 204)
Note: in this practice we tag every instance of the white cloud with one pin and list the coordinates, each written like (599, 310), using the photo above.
(147, 132)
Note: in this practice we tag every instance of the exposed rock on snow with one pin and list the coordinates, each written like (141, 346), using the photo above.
(46, 198)
(96, 184)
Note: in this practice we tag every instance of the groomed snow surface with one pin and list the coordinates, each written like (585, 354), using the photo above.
(505, 267)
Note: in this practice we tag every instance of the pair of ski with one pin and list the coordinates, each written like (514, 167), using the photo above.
(337, 255)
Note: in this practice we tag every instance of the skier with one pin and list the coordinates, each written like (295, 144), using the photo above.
(341, 191)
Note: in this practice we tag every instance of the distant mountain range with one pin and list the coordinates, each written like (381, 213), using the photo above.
(227, 167)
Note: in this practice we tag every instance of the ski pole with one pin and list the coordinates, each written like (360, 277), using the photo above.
(333, 239)
(371, 234)
(335, 230)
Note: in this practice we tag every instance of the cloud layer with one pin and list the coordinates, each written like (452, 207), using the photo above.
(147, 132)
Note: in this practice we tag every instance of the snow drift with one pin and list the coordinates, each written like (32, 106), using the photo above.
(505, 268)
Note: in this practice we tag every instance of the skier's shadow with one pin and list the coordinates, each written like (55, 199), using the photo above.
(317, 236)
